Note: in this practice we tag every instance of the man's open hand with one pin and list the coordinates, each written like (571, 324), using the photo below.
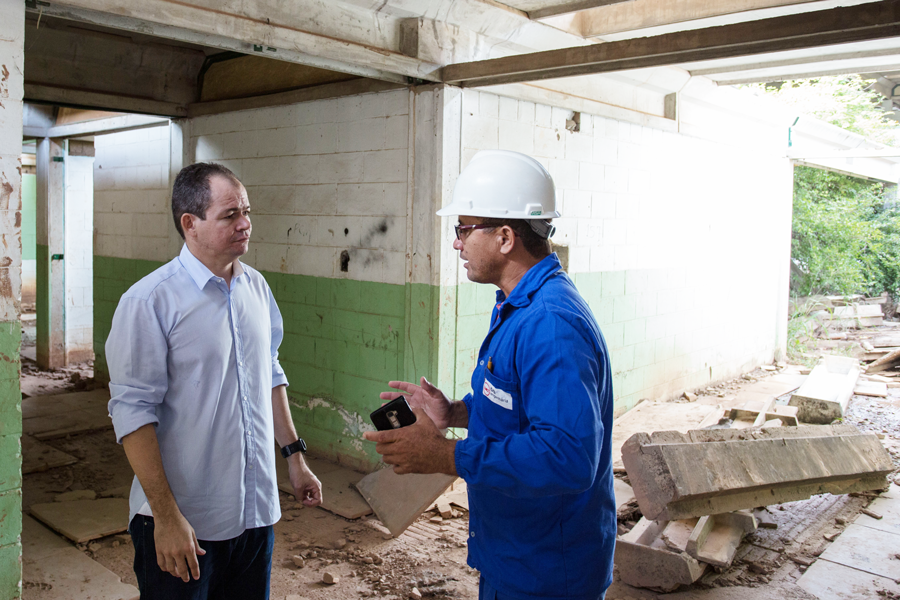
(425, 396)
(417, 448)
(177, 547)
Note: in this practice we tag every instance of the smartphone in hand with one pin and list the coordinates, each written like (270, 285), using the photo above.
(393, 415)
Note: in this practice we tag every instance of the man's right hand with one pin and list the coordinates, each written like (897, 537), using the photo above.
(427, 397)
(177, 547)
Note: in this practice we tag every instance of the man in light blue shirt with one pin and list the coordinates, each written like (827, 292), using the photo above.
(198, 401)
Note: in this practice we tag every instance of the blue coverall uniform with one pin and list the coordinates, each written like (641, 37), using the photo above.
(537, 459)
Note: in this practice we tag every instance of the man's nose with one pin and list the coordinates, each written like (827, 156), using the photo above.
(457, 244)
(244, 222)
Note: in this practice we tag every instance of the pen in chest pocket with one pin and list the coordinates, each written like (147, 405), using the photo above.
(490, 366)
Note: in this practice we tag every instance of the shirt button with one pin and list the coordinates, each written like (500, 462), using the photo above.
(471, 534)
(481, 363)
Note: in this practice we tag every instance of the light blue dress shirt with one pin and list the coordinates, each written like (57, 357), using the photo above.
(200, 360)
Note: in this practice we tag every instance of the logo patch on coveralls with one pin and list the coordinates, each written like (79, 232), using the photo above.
(497, 396)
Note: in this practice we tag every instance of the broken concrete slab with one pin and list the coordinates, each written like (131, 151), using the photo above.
(678, 476)
(749, 417)
(624, 493)
(831, 581)
(38, 456)
(887, 505)
(84, 520)
(398, 500)
(825, 395)
(866, 549)
(648, 417)
(59, 415)
(642, 559)
(53, 569)
(875, 389)
(715, 538)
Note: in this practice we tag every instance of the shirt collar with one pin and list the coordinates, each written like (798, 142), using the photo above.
(199, 272)
(531, 282)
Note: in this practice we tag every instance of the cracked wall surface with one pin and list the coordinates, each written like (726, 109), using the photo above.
(11, 90)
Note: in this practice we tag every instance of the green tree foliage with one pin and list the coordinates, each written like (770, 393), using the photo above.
(845, 236)
(846, 230)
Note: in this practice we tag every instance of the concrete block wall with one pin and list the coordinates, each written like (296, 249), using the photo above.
(131, 220)
(79, 231)
(327, 179)
(676, 241)
(12, 37)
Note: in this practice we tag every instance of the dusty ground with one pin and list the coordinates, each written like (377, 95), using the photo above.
(431, 555)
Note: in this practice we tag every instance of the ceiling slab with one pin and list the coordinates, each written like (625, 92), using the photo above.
(865, 22)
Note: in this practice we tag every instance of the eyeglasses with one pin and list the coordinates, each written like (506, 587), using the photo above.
(467, 228)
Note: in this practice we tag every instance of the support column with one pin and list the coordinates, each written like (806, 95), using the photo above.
(12, 67)
(51, 340)
(79, 251)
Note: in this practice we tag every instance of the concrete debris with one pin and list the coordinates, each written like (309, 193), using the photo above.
(398, 500)
(875, 389)
(84, 520)
(870, 513)
(854, 316)
(715, 538)
(689, 397)
(415, 594)
(298, 561)
(445, 509)
(330, 578)
(826, 393)
(644, 560)
(679, 476)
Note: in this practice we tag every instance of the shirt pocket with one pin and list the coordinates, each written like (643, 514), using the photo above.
(502, 404)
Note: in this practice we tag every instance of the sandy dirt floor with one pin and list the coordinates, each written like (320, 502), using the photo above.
(431, 556)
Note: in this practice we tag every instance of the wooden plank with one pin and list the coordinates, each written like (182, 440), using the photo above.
(840, 25)
(398, 500)
(885, 362)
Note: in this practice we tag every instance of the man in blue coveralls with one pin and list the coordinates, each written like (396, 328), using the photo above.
(537, 459)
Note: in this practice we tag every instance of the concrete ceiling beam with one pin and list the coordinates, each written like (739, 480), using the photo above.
(107, 101)
(841, 25)
(219, 28)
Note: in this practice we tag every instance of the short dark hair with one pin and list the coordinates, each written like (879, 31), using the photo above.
(536, 246)
(190, 194)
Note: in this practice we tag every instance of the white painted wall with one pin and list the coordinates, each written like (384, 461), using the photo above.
(131, 187)
(690, 234)
(79, 268)
(322, 177)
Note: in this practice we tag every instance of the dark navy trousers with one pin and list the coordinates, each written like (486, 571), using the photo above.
(235, 569)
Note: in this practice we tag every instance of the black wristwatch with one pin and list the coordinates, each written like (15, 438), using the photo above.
(298, 446)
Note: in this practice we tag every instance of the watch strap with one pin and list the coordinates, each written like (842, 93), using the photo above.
(298, 446)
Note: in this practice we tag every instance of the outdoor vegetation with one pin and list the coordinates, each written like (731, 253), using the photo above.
(846, 230)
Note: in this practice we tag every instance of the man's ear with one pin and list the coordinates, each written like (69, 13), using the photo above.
(187, 223)
(508, 239)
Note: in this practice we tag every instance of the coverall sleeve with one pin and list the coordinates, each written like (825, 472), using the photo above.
(136, 351)
(558, 452)
(278, 376)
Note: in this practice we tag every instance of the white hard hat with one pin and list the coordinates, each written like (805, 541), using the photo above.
(500, 184)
